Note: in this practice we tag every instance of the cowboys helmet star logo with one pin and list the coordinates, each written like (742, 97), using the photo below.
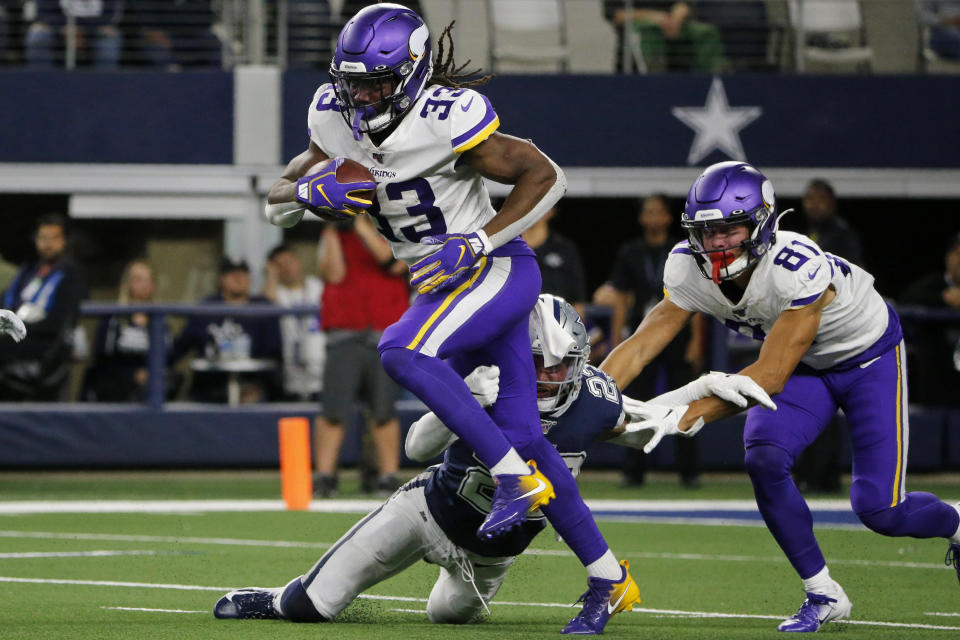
(716, 125)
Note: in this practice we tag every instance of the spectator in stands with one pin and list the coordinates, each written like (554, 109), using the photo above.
(122, 345)
(942, 17)
(174, 34)
(824, 224)
(97, 34)
(46, 295)
(662, 35)
(818, 467)
(365, 291)
(744, 30)
(304, 347)
(637, 280)
(560, 265)
(936, 356)
(232, 340)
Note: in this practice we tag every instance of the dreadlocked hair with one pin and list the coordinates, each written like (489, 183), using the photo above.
(446, 72)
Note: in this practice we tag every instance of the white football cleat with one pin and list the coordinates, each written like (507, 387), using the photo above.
(817, 610)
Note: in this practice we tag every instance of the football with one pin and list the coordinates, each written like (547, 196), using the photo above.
(349, 171)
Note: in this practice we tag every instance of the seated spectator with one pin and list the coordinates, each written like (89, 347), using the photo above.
(935, 371)
(228, 339)
(97, 35)
(663, 36)
(119, 370)
(942, 17)
(46, 295)
(173, 34)
(304, 347)
(744, 29)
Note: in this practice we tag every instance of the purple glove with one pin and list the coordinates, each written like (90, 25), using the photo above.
(322, 191)
(444, 268)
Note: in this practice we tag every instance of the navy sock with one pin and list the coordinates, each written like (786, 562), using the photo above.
(296, 606)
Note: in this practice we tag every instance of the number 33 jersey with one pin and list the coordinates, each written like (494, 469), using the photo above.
(423, 189)
(792, 274)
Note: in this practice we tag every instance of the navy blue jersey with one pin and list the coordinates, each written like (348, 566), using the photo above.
(460, 490)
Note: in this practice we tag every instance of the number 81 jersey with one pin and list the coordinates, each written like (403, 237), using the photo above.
(422, 189)
(792, 274)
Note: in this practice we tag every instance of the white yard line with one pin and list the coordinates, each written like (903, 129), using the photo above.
(52, 535)
(944, 614)
(152, 610)
(79, 554)
(679, 612)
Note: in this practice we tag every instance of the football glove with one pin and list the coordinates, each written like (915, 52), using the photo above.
(484, 383)
(322, 191)
(12, 325)
(649, 423)
(735, 389)
(444, 268)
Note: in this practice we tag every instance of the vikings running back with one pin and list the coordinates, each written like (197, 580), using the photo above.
(430, 140)
(435, 515)
(829, 342)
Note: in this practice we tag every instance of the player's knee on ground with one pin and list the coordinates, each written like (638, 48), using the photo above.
(296, 606)
(449, 605)
(767, 462)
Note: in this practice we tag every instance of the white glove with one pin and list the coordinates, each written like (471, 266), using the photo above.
(648, 423)
(484, 383)
(12, 325)
(737, 389)
(284, 214)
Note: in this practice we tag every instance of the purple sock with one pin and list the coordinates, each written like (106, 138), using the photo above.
(783, 508)
(447, 395)
(567, 512)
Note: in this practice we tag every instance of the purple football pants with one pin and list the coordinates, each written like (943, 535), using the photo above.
(873, 396)
(484, 321)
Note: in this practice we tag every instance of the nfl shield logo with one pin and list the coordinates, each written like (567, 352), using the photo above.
(378, 157)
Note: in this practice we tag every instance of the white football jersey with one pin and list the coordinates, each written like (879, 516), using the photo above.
(792, 274)
(422, 190)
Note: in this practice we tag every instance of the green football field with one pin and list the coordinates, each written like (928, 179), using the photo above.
(73, 564)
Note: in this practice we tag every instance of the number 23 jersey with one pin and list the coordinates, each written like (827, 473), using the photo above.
(791, 275)
(423, 188)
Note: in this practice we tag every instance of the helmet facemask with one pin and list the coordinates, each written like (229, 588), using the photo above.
(729, 262)
(558, 386)
(398, 78)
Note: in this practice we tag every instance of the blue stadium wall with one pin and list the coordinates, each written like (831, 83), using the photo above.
(585, 121)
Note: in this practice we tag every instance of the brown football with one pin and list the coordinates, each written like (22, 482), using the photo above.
(349, 171)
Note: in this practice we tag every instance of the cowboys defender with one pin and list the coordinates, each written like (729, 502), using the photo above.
(429, 141)
(829, 341)
(434, 516)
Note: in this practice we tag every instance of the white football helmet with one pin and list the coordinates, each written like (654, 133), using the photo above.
(557, 385)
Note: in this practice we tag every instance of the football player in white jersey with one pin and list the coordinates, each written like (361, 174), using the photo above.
(429, 140)
(829, 341)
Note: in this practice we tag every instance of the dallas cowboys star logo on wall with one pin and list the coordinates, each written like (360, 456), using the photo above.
(716, 125)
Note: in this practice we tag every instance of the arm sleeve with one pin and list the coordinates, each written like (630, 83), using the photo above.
(428, 437)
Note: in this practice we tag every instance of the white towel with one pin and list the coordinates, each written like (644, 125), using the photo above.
(554, 340)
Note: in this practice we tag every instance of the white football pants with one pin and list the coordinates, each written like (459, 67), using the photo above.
(394, 537)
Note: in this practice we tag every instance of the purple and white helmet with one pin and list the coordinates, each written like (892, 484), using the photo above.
(384, 48)
(726, 194)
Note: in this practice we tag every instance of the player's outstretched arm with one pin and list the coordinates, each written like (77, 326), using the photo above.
(656, 331)
(788, 341)
(283, 209)
(538, 183)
